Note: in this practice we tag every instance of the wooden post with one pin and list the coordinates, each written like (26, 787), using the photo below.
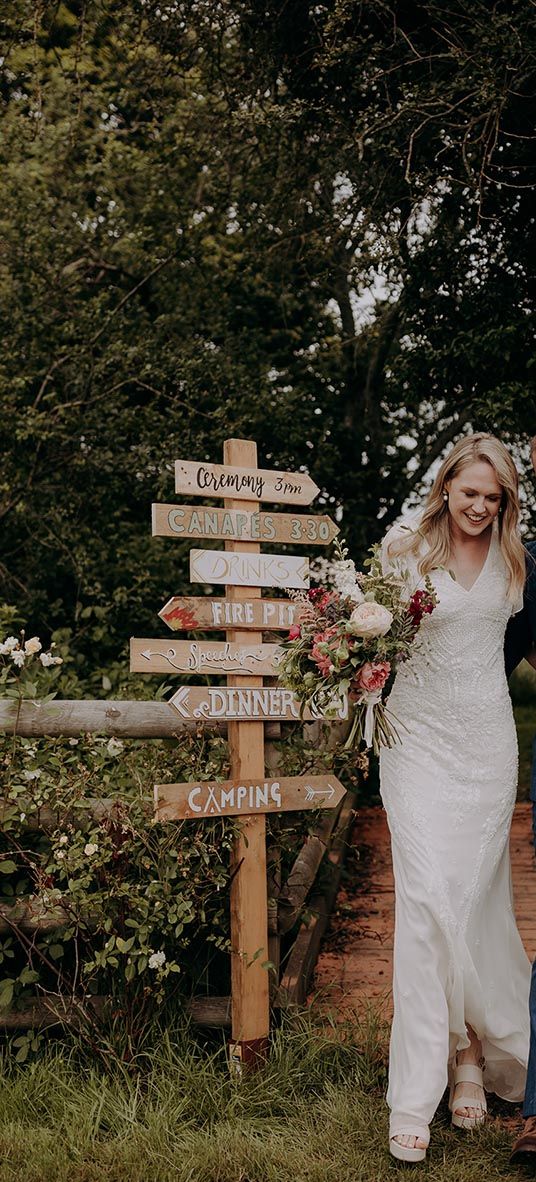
(250, 1015)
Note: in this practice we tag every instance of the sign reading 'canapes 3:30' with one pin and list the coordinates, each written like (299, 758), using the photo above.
(190, 521)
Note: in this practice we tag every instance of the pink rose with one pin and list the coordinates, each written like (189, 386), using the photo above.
(372, 677)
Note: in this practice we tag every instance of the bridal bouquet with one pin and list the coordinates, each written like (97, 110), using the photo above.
(350, 639)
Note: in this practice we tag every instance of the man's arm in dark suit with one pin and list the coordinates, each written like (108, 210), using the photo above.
(521, 630)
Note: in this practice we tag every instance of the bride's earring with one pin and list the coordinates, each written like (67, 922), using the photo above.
(445, 496)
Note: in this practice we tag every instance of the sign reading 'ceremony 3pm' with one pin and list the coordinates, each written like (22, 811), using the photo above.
(246, 484)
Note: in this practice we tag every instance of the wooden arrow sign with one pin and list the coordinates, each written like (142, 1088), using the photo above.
(248, 704)
(248, 570)
(204, 613)
(176, 802)
(243, 484)
(190, 521)
(217, 656)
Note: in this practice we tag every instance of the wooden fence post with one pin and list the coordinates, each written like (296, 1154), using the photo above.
(250, 1012)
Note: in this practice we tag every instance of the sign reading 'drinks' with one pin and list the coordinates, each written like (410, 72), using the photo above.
(190, 521)
(176, 802)
(205, 613)
(191, 656)
(247, 704)
(245, 484)
(248, 570)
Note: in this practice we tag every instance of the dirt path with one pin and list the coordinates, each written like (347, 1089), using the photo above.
(356, 960)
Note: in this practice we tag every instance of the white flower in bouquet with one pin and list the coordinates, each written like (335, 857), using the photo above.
(370, 619)
(345, 580)
(18, 657)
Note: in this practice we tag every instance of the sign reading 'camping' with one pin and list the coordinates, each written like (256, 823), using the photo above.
(175, 802)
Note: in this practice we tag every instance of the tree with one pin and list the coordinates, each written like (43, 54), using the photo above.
(307, 224)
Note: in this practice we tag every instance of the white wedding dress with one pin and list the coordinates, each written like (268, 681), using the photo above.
(449, 790)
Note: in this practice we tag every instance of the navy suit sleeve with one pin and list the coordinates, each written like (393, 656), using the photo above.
(521, 630)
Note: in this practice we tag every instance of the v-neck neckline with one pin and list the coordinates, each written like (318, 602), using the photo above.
(467, 590)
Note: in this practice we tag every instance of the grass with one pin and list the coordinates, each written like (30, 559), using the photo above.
(314, 1113)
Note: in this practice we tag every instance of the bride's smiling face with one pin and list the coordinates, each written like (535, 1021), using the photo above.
(474, 497)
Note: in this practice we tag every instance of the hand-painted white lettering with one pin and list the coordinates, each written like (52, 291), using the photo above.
(275, 793)
(175, 519)
(196, 808)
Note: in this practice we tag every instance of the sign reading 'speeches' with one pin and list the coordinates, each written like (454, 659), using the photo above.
(212, 656)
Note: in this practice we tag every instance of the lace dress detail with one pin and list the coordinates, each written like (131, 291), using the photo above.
(449, 789)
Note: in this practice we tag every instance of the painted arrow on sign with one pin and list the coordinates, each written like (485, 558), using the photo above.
(216, 656)
(250, 705)
(248, 570)
(204, 613)
(175, 802)
(198, 521)
(245, 484)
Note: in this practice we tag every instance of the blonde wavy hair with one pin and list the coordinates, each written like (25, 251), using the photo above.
(434, 524)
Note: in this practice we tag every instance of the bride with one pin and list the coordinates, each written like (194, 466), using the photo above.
(461, 976)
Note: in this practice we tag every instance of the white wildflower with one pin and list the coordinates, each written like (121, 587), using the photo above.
(74, 742)
(22, 817)
(32, 645)
(18, 657)
(63, 839)
(59, 855)
(90, 849)
(114, 746)
(156, 960)
(9, 644)
(47, 659)
(32, 775)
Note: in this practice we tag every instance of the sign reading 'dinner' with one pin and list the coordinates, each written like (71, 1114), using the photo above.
(248, 570)
(206, 613)
(175, 802)
(245, 484)
(216, 656)
(190, 521)
(246, 704)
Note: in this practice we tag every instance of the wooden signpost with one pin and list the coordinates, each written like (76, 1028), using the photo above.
(243, 484)
(245, 702)
(271, 702)
(231, 798)
(207, 614)
(248, 570)
(201, 521)
(214, 656)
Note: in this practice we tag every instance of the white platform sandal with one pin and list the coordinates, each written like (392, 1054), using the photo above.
(403, 1152)
(467, 1073)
